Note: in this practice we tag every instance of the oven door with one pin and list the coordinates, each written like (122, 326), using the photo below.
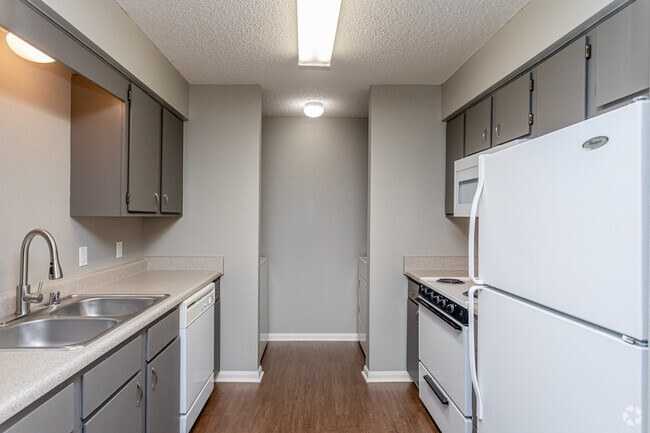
(444, 352)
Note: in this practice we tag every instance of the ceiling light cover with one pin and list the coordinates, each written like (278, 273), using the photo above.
(317, 22)
(314, 109)
(26, 51)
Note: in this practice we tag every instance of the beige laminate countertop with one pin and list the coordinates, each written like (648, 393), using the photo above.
(428, 273)
(28, 375)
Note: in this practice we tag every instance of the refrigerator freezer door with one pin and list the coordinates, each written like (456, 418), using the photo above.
(542, 372)
(564, 221)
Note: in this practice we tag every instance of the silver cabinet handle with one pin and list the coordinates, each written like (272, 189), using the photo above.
(165, 200)
(417, 317)
(497, 130)
(141, 392)
(156, 199)
(155, 378)
(485, 136)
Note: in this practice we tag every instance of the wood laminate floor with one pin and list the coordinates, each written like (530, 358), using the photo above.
(314, 387)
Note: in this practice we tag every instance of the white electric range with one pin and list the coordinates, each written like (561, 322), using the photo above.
(444, 369)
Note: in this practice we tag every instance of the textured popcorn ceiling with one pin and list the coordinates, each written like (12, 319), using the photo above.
(377, 42)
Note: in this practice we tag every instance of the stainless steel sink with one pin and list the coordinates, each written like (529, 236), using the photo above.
(105, 307)
(77, 321)
(53, 333)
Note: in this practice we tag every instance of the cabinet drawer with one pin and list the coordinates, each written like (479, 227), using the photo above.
(123, 413)
(160, 334)
(104, 379)
(447, 416)
(56, 415)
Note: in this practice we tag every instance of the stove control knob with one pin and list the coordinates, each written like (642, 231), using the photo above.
(450, 308)
(442, 302)
(435, 299)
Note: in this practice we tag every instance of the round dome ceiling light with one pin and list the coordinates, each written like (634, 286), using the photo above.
(314, 109)
(26, 51)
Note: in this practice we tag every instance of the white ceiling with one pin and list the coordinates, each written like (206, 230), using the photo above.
(377, 42)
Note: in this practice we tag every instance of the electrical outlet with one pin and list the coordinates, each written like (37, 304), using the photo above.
(118, 249)
(83, 256)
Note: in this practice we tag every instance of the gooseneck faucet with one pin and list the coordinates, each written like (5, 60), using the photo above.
(24, 297)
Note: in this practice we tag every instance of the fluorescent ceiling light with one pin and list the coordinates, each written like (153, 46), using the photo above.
(26, 51)
(314, 109)
(317, 21)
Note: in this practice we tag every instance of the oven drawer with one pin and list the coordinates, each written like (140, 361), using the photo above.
(447, 417)
(444, 351)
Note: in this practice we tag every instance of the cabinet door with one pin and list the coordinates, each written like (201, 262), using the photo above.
(172, 164)
(144, 152)
(621, 55)
(560, 89)
(455, 141)
(56, 415)
(123, 413)
(163, 390)
(478, 121)
(510, 110)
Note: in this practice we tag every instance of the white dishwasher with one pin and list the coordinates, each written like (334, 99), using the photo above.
(197, 354)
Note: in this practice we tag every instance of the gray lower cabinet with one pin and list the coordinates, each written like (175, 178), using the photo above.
(171, 181)
(123, 413)
(478, 123)
(511, 108)
(455, 141)
(560, 89)
(620, 63)
(163, 390)
(56, 415)
(144, 152)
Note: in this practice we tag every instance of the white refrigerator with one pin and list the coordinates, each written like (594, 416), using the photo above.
(563, 241)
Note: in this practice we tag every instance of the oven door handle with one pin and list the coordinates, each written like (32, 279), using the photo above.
(436, 390)
(444, 318)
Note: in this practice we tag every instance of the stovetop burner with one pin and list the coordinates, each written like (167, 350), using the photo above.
(449, 281)
(467, 294)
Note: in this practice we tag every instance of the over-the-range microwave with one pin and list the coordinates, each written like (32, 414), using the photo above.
(466, 178)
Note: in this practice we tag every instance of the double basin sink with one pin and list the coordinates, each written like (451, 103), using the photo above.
(73, 324)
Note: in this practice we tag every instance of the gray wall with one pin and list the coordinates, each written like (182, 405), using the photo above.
(35, 178)
(221, 209)
(314, 211)
(406, 208)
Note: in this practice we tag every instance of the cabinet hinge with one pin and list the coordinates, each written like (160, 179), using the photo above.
(130, 95)
(530, 119)
(128, 198)
(588, 51)
(531, 85)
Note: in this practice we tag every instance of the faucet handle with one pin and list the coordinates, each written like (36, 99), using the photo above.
(37, 297)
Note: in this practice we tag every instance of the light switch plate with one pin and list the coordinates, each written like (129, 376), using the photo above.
(83, 256)
(118, 249)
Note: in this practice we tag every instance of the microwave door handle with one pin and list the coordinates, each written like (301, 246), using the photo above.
(472, 222)
(472, 352)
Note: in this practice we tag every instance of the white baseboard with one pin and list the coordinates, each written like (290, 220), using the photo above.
(385, 376)
(240, 376)
(313, 337)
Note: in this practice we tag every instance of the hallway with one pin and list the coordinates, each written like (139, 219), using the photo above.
(314, 387)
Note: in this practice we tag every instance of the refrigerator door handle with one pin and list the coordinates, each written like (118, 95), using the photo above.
(472, 352)
(472, 222)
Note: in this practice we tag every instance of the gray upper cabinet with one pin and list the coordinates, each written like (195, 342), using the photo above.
(478, 122)
(511, 108)
(560, 89)
(620, 64)
(172, 164)
(144, 152)
(163, 390)
(455, 141)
